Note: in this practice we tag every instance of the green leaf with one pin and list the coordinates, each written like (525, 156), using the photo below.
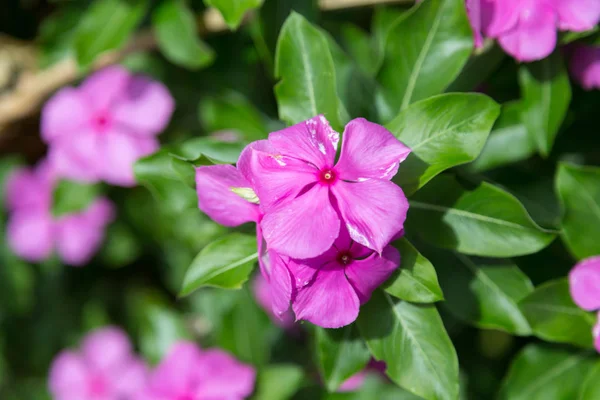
(233, 10)
(508, 142)
(106, 25)
(544, 373)
(72, 197)
(443, 131)
(175, 28)
(374, 387)
(485, 295)
(360, 46)
(546, 93)
(591, 386)
(216, 151)
(233, 112)
(56, 35)
(424, 53)
(341, 353)
(415, 280)
(278, 382)
(122, 246)
(486, 221)
(554, 317)
(384, 20)
(579, 191)
(411, 339)
(157, 325)
(225, 263)
(157, 174)
(305, 66)
(478, 69)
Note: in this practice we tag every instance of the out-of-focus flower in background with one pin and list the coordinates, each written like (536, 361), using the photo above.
(34, 232)
(97, 131)
(104, 368)
(585, 66)
(584, 284)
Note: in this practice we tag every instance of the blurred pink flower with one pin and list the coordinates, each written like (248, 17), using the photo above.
(262, 293)
(305, 197)
(329, 289)
(356, 381)
(105, 368)
(596, 334)
(188, 373)
(585, 66)
(33, 232)
(527, 29)
(98, 130)
(584, 283)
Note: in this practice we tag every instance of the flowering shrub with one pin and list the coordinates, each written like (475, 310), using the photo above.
(275, 199)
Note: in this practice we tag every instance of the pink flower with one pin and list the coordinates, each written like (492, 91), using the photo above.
(585, 66)
(527, 29)
(596, 334)
(105, 368)
(329, 289)
(306, 196)
(187, 373)
(356, 381)
(584, 283)
(33, 232)
(97, 131)
(262, 293)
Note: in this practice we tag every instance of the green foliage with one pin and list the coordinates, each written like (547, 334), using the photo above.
(72, 197)
(233, 10)
(278, 382)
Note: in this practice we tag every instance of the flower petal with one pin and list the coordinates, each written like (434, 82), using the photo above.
(25, 191)
(584, 283)
(224, 377)
(329, 301)
(578, 16)
(105, 87)
(373, 211)
(215, 198)
(303, 227)
(596, 334)
(500, 16)
(312, 141)
(130, 378)
(585, 66)
(353, 383)
(534, 36)
(76, 156)
(66, 113)
(30, 234)
(77, 239)
(369, 151)
(145, 106)
(178, 370)
(68, 376)
(119, 150)
(106, 348)
(281, 285)
(368, 274)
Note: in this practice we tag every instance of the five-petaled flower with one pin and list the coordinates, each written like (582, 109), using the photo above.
(584, 284)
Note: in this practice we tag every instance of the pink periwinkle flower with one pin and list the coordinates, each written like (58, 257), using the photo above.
(584, 284)
(97, 131)
(328, 290)
(356, 381)
(307, 197)
(34, 233)
(527, 29)
(104, 368)
(585, 66)
(263, 295)
(188, 373)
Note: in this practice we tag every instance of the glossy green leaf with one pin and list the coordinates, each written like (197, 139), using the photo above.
(579, 191)
(304, 64)
(591, 386)
(413, 342)
(384, 20)
(56, 35)
(486, 221)
(341, 353)
(360, 47)
(478, 69)
(486, 296)
(218, 152)
(554, 317)
(278, 382)
(415, 280)
(443, 131)
(233, 112)
(225, 263)
(434, 33)
(233, 10)
(546, 93)
(107, 25)
(374, 387)
(71, 197)
(508, 142)
(177, 36)
(543, 373)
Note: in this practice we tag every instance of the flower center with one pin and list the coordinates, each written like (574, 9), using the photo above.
(328, 176)
(97, 386)
(344, 258)
(101, 122)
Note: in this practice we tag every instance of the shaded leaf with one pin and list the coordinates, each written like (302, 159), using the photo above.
(278, 382)
(233, 10)
(71, 197)
(591, 386)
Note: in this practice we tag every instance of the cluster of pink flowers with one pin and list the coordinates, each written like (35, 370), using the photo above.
(106, 368)
(323, 227)
(527, 29)
(584, 282)
(95, 132)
